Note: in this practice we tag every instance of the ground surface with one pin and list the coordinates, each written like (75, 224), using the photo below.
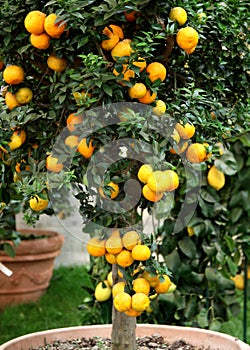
(155, 342)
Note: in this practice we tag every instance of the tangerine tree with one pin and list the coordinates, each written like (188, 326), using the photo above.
(133, 108)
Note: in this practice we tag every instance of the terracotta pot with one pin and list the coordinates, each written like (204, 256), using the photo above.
(32, 268)
(195, 336)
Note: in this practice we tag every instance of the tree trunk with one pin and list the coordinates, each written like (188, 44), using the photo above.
(123, 326)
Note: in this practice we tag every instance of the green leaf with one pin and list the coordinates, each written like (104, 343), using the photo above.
(188, 247)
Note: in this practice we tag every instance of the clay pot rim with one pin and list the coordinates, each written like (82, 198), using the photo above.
(141, 329)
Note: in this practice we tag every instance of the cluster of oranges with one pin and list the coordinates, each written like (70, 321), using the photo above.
(121, 49)
(125, 250)
(157, 182)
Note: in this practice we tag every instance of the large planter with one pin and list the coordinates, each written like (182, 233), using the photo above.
(194, 336)
(32, 268)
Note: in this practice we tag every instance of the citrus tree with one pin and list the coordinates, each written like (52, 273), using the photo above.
(133, 108)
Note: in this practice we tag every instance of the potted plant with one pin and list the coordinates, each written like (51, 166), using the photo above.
(120, 113)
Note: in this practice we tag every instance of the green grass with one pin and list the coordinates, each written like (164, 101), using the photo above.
(59, 308)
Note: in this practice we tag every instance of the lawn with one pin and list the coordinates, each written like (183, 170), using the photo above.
(59, 308)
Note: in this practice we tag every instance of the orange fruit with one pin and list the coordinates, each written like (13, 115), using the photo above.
(124, 258)
(160, 108)
(18, 166)
(151, 195)
(37, 203)
(117, 29)
(178, 14)
(141, 252)
(155, 71)
(34, 22)
(140, 302)
(118, 288)
(190, 51)
(53, 27)
(73, 120)
(58, 64)
(18, 137)
(53, 165)
(24, 95)
(130, 239)
(72, 141)
(11, 101)
(185, 131)
(190, 231)
(111, 42)
(141, 63)
(173, 180)
(122, 49)
(127, 74)
(132, 313)
(86, 149)
(13, 75)
(163, 286)
(114, 244)
(187, 38)
(122, 302)
(148, 98)
(216, 178)
(180, 148)
(238, 281)
(196, 153)
(141, 285)
(113, 192)
(144, 172)
(40, 41)
(151, 278)
(102, 291)
(111, 258)
(131, 15)
(138, 90)
(96, 247)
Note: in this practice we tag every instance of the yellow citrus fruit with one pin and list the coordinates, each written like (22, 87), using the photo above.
(40, 41)
(72, 141)
(81, 97)
(172, 180)
(141, 63)
(155, 71)
(132, 313)
(13, 74)
(122, 302)
(18, 137)
(215, 178)
(190, 231)
(141, 285)
(130, 239)
(58, 64)
(151, 278)
(34, 22)
(140, 302)
(114, 34)
(11, 101)
(96, 247)
(86, 149)
(160, 108)
(187, 38)
(138, 90)
(72, 121)
(196, 153)
(178, 14)
(190, 51)
(163, 286)
(37, 203)
(103, 291)
(144, 172)
(148, 98)
(180, 148)
(111, 258)
(114, 244)
(122, 49)
(21, 164)
(110, 279)
(202, 17)
(127, 74)
(141, 252)
(238, 281)
(113, 190)
(24, 95)
(158, 181)
(185, 131)
(53, 27)
(117, 29)
(151, 195)
(124, 258)
(118, 288)
(53, 165)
